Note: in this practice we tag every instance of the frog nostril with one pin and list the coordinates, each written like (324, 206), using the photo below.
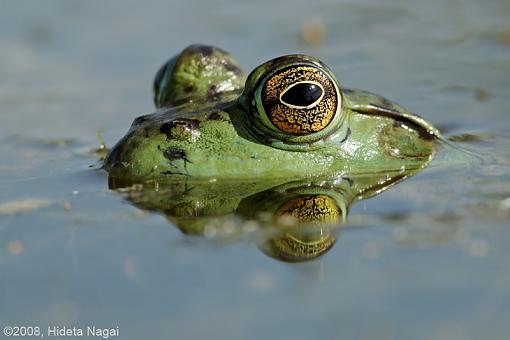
(181, 129)
(188, 124)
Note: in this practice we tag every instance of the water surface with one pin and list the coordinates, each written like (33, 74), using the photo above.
(426, 259)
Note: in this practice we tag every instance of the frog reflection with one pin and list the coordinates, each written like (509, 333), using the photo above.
(292, 222)
(300, 218)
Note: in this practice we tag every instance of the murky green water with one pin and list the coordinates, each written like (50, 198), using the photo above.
(427, 259)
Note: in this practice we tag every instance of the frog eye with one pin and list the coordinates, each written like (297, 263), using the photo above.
(300, 99)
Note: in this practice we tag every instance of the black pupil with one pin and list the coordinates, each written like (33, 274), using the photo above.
(302, 94)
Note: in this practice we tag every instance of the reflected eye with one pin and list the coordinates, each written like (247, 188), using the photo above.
(300, 99)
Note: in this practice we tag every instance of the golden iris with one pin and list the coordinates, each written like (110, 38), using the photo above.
(300, 100)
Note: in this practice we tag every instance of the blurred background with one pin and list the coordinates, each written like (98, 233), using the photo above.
(428, 261)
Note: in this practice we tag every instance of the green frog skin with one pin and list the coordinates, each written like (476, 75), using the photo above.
(288, 119)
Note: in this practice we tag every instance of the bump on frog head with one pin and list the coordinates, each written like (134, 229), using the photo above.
(199, 72)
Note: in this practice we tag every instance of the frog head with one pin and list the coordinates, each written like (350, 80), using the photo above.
(288, 119)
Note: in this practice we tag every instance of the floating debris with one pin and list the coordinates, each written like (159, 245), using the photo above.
(15, 247)
(59, 141)
(22, 206)
(481, 94)
(503, 37)
(102, 150)
(67, 205)
(313, 31)
(467, 137)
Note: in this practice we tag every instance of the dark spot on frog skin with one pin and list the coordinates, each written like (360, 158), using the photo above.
(166, 128)
(212, 92)
(205, 50)
(216, 115)
(174, 154)
(139, 120)
(189, 88)
(188, 124)
(232, 68)
(386, 103)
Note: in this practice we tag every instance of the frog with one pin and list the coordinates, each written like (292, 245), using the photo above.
(287, 119)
